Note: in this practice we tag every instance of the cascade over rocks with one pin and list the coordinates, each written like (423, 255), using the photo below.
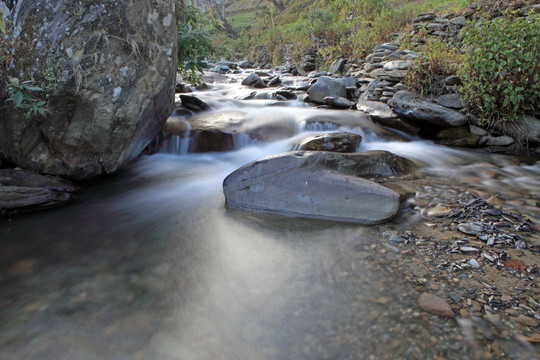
(110, 76)
(318, 185)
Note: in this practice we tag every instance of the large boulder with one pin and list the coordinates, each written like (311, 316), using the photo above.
(324, 87)
(426, 112)
(312, 185)
(108, 69)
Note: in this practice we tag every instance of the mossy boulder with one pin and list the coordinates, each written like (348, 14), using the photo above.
(108, 71)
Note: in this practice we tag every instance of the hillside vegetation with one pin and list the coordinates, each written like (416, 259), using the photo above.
(335, 28)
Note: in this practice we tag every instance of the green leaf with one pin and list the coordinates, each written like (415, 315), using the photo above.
(18, 98)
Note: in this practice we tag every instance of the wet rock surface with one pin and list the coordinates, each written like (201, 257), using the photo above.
(22, 190)
(306, 184)
(337, 142)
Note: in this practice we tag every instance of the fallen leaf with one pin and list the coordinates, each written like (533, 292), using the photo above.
(510, 264)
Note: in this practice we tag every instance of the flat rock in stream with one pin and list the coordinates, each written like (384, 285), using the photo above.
(25, 190)
(318, 185)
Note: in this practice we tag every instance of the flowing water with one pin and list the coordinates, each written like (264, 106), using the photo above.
(150, 265)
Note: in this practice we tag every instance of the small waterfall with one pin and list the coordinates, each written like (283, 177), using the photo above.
(176, 144)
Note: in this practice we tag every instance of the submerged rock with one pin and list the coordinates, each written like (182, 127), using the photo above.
(110, 77)
(435, 305)
(405, 105)
(318, 185)
(25, 190)
(345, 142)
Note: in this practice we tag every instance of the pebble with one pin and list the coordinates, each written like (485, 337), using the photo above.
(439, 211)
(527, 321)
(470, 229)
(435, 305)
(475, 264)
(456, 298)
(468, 249)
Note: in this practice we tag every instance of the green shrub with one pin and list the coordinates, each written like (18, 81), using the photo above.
(194, 45)
(435, 62)
(501, 71)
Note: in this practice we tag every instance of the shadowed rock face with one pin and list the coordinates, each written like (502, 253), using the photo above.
(109, 70)
(318, 185)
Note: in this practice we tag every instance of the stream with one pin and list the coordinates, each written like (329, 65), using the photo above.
(149, 264)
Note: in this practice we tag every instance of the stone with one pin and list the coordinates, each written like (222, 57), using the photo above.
(338, 65)
(499, 141)
(254, 80)
(457, 136)
(452, 101)
(344, 142)
(274, 81)
(531, 128)
(338, 102)
(349, 82)
(326, 86)
(288, 95)
(306, 184)
(221, 130)
(475, 130)
(398, 65)
(376, 110)
(453, 80)
(110, 76)
(193, 103)
(404, 104)
(23, 190)
(395, 75)
(435, 305)
(425, 17)
(458, 21)
(176, 125)
(471, 228)
(527, 321)
(439, 211)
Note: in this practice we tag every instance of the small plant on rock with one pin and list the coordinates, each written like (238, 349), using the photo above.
(501, 72)
(23, 96)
